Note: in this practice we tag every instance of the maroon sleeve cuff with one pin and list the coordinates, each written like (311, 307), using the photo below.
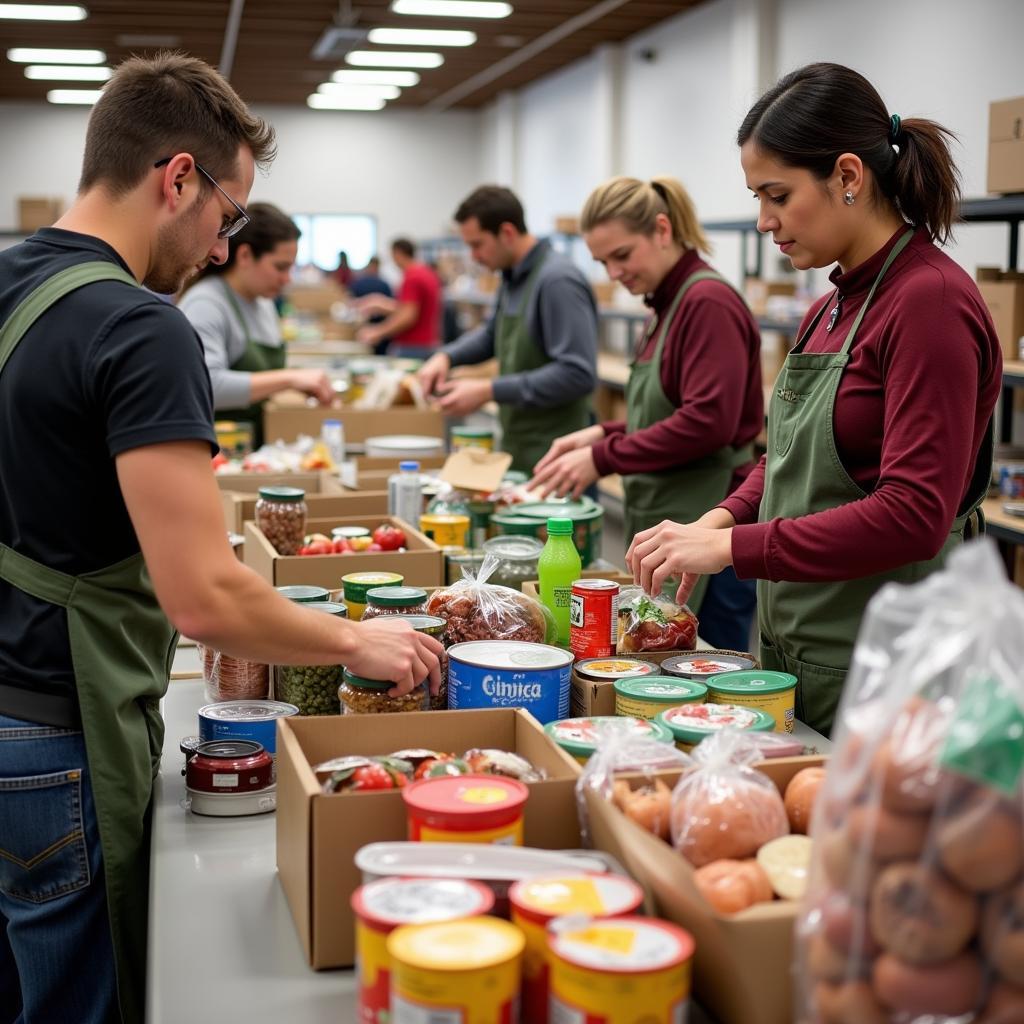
(613, 427)
(603, 462)
(749, 551)
(743, 512)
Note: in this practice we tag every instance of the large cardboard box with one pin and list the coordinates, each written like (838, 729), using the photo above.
(743, 966)
(363, 473)
(1006, 145)
(422, 563)
(285, 418)
(35, 213)
(239, 492)
(1003, 292)
(319, 834)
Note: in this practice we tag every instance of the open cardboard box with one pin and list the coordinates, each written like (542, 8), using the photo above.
(286, 417)
(422, 563)
(743, 965)
(363, 473)
(318, 834)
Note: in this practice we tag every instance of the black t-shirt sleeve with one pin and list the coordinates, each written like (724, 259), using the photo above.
(148, 380)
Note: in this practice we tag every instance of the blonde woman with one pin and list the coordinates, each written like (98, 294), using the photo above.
(693, 402)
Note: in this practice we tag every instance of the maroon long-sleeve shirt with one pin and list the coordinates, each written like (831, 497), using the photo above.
(710, 371)
(912, 408)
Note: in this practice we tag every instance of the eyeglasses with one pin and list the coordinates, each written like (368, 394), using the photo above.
(236, 223)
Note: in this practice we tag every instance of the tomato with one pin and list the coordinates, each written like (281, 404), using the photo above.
(340, 546)
(220, 459)
(317, 547)
(374, 547)
(390, 538)
(373, 776)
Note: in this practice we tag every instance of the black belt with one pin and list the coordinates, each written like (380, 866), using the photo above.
(53, 709)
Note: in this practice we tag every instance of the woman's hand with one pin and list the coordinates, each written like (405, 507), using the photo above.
(676, 549)
(570, 442)
(570, 474)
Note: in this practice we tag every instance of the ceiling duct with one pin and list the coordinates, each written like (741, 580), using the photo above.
(341, 37)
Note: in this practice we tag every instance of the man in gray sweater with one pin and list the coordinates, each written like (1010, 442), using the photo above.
(543, 333)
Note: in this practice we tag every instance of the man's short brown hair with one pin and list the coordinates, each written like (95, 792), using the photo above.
(154, 107)
(492, 206)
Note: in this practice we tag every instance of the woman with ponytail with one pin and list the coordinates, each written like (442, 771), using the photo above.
(880, 424)
(694, 402)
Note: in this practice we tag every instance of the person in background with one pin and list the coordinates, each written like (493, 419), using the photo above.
(116, 538)
(369, 282)
(693, 402)
(231, 306)
(413, 319)
(880, 424)
(343, 272)
(543, 333)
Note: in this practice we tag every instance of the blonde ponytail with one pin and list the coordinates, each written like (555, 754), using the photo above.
(637, 204)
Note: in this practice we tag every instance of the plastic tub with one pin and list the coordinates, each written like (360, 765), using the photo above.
(691, 723)
(579, 737)
(772, 692)
(649, 696)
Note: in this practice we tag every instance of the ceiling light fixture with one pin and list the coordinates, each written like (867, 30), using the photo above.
(67, 73)
(320, 101)
(385, 92)
(452, 8)
(84, 97)
(402, 78)
(421, 37)
(394, 59)
(42, 12)
(30, 55)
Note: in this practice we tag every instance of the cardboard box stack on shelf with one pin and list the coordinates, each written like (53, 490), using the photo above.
(1006, 146)
(288, 415)
(35, 212)
(1003, 292)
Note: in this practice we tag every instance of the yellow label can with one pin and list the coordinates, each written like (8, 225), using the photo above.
(446, 530)
(771, 692)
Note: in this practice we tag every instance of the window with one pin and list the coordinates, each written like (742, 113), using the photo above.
(324, 235)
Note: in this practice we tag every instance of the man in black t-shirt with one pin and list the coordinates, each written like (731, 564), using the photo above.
(111, 524)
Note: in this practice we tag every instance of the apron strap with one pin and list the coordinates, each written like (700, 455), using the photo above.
(237, 310)
(529, 288)
(34, 578)
(664, 322)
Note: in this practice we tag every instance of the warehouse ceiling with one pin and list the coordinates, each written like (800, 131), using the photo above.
(273, 61)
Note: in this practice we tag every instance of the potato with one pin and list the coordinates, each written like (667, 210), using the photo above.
(1002, 933)
(732, 885)
(847, 867)
(906, 762)
(949, 988)
(1005, 1005)
(981, 845)
(885, 835)
(845, 924)
(649, 808)
(850, 1003)
(800, 796)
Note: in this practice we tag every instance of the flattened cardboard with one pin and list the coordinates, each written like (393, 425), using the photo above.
(473, 469)
(319, 834)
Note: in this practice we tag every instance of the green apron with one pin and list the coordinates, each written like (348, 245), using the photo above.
(685, 493)
(121, 650)
(809, 629)
(527, 431)
(257, 358)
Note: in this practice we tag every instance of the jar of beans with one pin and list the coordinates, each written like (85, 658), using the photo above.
(281, 516)
(395, 601)
(313, 689)
(370, 697)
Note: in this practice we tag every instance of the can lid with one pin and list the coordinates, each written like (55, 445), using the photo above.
(304, 594)
(248, 710)
(389, 902)
(396, 597)
(365, 684)
(489, 800)
(472, 432)
(357, 584)
(560, 509)
(431, 624)
(544, 897)
(286, 494)
(704, 664)
(752, 682)
(560, 527)
(587, 584)
(329, 608)
(409, 465)
(580, 736)
(626, 945)
(666, 690)
(690, 723)
(518, 654)
(514, 548)
(614, 668)
(229, 750)
(473, 943)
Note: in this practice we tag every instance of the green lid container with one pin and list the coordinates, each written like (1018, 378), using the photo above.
(751, 682)
(692, 731)
(432, 625)
(358, 585)
(396, 597)
(669, 691)
(365, 684)
(579, 737)
(286, 494)
(586, 515)
(304, 595)
(477, 433)
(329, 608)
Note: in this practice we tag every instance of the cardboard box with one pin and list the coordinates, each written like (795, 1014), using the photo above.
(568, 225)
(758, 291)
(35, 213)
(285, 419)
(1006, 145)
(422, 563)
(365, 474)
(343, 506)
(319, 834)
(1003, 292)
(318, 298)
(743, 967)
(239, 492)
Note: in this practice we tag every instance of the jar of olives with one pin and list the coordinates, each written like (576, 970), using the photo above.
(395, 601)
(313, 689)
(281, 516)
(361, 696)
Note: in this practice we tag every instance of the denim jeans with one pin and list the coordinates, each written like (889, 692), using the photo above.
(56, 956)
(727, 611)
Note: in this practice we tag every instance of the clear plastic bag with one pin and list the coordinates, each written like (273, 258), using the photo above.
(654, 623)
(229, 678)
(477, 610)
(915, 910)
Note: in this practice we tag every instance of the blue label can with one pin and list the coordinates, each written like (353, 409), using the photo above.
(245, 720)
(510, 674)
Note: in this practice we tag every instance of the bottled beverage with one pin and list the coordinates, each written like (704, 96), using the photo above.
(405, 498)
(332, 433)
(558, 567)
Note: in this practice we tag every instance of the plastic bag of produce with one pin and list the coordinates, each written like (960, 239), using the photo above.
(477, 610)
(229, 678)
(654, 623)
(915, 911)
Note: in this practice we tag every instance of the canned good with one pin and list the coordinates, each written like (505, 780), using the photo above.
(579, 737)
(480, 512)
(648, 697)
(446, 530)
(594, 618)
(472, 437)
(466, 809)
(531, 518)
(704, 664)
(691, 723)
(771, 692)
(229, 766)
(356, 585)
(538, 901)
(602, 670)
(244, 720)
(235, 439)
(619, 971)
(381, 907)
(304, 595)
(455, 972)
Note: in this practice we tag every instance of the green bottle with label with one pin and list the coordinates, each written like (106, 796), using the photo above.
(559, 567)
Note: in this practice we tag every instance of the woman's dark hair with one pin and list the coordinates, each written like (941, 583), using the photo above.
(268, 227)
(818, 112)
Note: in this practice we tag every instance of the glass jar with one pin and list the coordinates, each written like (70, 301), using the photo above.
(313, 689)
(361, 696)
(434, 626)
(229, 678)
(517, 560)
(457, 561)
(281, 516)
(356, 585)
(395, 601)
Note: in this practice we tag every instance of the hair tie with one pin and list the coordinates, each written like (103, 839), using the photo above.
(896, 135)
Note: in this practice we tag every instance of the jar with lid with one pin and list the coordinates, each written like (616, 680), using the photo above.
(517, 559)
(361, 696)
(304, 595)
(395, 601)
(356, 585)
(434, 626)
(281, 516)
(313, 689)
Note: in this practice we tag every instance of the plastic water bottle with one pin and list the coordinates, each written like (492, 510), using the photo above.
(332, 433)
(405, 498)
(559, 567)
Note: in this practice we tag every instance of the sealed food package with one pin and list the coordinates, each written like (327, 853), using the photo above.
(724, 808)
(654, 623)
(229, 678)
(475, 609)
(915, 909)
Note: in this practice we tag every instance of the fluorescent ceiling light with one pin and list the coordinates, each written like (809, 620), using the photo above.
(321, 101)
(394, 59)
(43, 12)
(30, 55)
(402, 78)
(385, 92)
(452, 8)
(67, 73)
(83, 96)
(421, 37)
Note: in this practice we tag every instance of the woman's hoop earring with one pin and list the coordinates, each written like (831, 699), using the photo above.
(849, 198)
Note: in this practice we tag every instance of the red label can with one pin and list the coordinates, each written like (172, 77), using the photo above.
(594, 618)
